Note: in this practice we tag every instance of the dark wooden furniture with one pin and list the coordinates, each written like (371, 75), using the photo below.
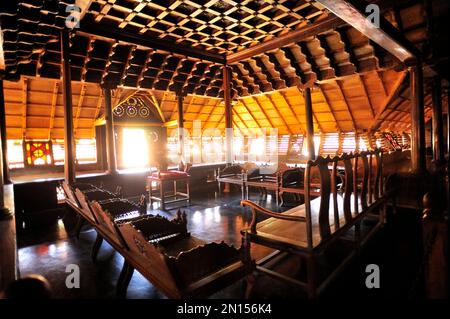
(180, 265)
(310, 229)
(183, 269)
(162, 178)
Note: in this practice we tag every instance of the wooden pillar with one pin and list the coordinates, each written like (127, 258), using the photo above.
(438, 125)
(69, 143)
(228, 113)
(180, 99)
(110, 137)
(309, 124)
(4, 212)
(418, 160)
(6, 176)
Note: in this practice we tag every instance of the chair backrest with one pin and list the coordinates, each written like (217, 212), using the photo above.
(70, 196)
(84, 205)
(151, 259)
(361, 188)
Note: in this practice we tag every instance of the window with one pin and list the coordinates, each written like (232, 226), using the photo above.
(330, 144)
(15, 153)
(348, 143)
(38, 153)
(283, 144)
(134, 148)
(86, 151)
(58, 152)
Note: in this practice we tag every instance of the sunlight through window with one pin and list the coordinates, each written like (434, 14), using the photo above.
(135, 148)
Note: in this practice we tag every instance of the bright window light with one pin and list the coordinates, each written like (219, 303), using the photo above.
(135, 148)
(257, 146)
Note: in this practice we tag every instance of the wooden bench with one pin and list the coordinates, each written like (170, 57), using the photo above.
(180, 265)
(186, 268)
(310, 229)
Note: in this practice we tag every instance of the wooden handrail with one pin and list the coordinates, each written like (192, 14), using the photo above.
(256, 208)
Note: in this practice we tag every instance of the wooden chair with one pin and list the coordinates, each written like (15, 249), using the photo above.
(185, 269)
(310, 229)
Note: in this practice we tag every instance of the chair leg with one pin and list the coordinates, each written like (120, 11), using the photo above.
(248, 285)
(161, 192)
(96, 248)
(311, 277)
(78, 226)
(124, 279)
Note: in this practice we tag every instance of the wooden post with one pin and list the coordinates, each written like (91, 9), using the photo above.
(418, 160)
(309, 124)
(228, 113)
(6, 175)
(110, 137)
(180, 125)
(69, 144)
(4, 212)
(438, 125)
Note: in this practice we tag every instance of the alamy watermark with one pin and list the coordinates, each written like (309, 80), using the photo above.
(373, 279)
(73, 277)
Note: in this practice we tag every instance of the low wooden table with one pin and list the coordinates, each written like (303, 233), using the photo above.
(168, 176)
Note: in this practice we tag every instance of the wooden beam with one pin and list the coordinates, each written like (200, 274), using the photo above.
(155, 103)
(53, 109)
(4, 169)
(279, 113)
(250, 113)
(293, 112)
(301, 34)
(24, 106)
(69, 141)
(262, 110)
(355, 128)
(418, 159)
(101, 31)
(438, 124)
(226, 72)
(384, 34)
(180, 112)
(397, 89)
(309, 123)
(327, 102)
(366, 95)
(110, 137)
(80, 104)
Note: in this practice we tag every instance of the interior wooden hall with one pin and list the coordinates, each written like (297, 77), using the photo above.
(224, 149)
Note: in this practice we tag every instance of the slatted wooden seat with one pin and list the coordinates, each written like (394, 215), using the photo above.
(183, 269)
(309, 229)
(233, 174)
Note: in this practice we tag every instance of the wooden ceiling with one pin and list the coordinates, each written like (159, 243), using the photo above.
(357, 85)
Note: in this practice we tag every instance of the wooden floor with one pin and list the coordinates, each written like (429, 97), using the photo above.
(49, 250)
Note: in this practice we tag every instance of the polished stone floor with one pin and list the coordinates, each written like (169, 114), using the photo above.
(48, 251)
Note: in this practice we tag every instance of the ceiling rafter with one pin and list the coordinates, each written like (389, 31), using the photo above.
(341, 91)
(53, 108)
(285, 99)
(328, 103)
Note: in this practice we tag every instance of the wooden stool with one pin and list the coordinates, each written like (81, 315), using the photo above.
(168, 176)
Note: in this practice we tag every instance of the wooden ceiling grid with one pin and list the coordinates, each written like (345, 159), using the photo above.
(353, 75)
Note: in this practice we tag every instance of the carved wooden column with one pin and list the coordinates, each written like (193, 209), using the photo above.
(309, 124)
(6, 176)
(418, 160)
(69, 143)
(438, 125)
(228, 113)
(110, 136)
(180, 99)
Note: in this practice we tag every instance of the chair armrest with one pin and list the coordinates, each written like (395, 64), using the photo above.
(256, 208)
